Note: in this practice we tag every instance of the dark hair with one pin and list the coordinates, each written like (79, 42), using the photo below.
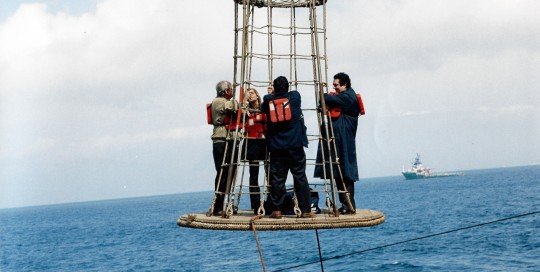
(281, 85)
(343, 79)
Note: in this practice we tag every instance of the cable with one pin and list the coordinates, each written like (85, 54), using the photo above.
(320, 253)
(413, 239)
(258, 245)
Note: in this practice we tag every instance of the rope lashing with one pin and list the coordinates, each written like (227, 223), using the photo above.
(282, 3)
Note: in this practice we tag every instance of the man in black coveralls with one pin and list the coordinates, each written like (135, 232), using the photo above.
(286, 141)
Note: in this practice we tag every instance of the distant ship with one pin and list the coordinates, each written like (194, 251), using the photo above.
(418, 171)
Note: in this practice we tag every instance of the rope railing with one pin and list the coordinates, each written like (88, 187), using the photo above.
(281, 3)
(261, 83)
(259, 28)
(280, 56)
(287, 34)
(264, 56)
(301, 37)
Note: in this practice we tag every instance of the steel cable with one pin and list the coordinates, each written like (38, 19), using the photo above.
(412, 240)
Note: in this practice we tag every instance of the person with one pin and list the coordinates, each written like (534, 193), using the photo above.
(345, 127)
(286, 142)
(223, 109)
(255, 145)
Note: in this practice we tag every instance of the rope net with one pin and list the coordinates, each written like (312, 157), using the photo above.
(281, 3)
(288, 41)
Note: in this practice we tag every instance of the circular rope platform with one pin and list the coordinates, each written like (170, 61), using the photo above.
(242, 221)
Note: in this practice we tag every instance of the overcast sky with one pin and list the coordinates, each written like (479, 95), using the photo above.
(106, 99)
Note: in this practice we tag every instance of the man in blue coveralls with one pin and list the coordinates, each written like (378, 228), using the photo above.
(345, 127)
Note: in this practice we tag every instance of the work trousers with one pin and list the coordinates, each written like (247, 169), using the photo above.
(254, 189)
(281, 161)
(349, 185)
(219, 150)
(255, 152)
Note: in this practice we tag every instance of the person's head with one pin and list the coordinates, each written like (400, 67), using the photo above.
(281, 85)
(224, 89)
(341, 82)
(252, 96)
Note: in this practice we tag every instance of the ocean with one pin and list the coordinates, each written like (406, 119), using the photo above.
(486, 220)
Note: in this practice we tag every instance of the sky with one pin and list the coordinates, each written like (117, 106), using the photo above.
(106, 99)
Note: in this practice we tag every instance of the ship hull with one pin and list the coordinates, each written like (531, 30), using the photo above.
(413, 176)
(409, 176)
(418, 171)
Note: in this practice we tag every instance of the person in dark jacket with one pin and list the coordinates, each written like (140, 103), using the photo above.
(345, 127)
(286, 141)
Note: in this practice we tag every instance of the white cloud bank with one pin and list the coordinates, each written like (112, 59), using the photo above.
(115, 96)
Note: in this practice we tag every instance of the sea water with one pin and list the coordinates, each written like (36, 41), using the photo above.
(486, 220)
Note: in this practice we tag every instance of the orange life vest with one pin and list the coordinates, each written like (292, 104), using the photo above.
(256, 125)
(234, 123)
(230, 125)
(209, 114)
(360, 104)
(280, 110)
(336, 112)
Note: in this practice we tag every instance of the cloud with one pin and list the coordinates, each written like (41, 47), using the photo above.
(149, 42)
(124, 69)
(96, 87)
(449, 39)
(413, 113)
(186, 134)
(509, 110)
(396, 35)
